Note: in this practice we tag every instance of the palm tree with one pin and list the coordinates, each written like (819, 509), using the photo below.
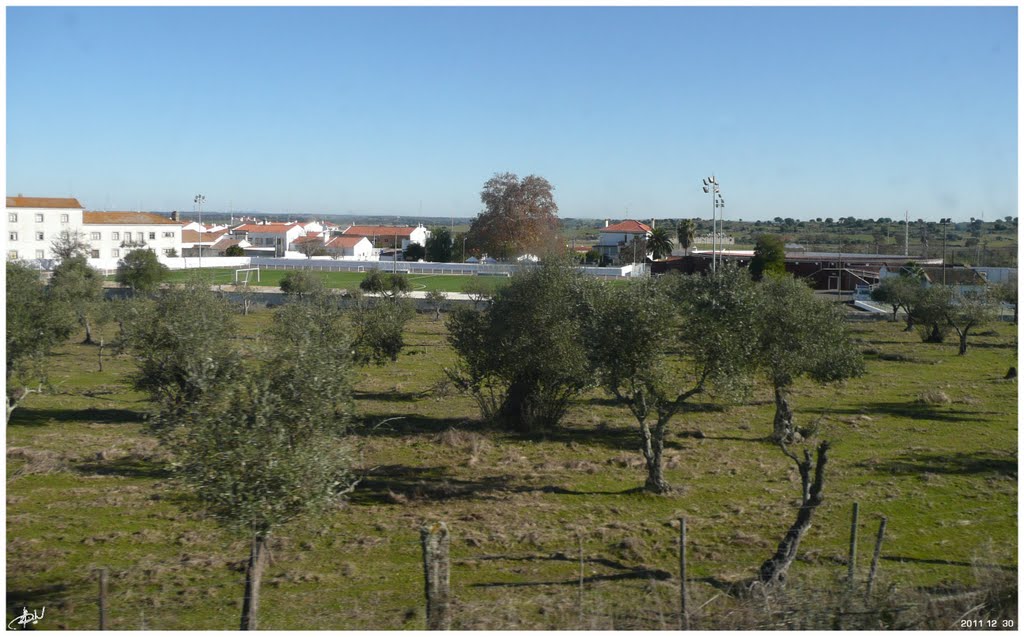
(659, 243)
(685, 232)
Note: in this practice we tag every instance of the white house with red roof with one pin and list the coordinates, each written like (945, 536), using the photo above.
(385, 236)
(613, 237)
(115, 234)
(279, 236)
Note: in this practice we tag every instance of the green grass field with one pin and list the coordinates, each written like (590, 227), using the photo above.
(342, 280)
(88, 488)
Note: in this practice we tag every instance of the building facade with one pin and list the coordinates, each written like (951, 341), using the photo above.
(115, 234)
(34, 222)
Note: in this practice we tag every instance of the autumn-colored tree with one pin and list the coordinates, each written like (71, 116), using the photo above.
(520, 216)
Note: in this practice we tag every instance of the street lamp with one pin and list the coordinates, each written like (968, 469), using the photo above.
(198, 200)
(944, 222)
(711, 187)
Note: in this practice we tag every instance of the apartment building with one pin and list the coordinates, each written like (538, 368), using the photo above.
(34, 222)
(114, 234)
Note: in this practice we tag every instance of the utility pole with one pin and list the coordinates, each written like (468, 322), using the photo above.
(906, 233)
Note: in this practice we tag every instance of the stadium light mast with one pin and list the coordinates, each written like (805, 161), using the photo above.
(711, 187)
(198, 200)
(944, 221)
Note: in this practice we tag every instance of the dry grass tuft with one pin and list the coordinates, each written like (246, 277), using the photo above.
(934, 397)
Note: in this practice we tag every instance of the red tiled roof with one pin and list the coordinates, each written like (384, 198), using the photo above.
(126, 218)
(42, 202)
(309, 238)
(378, 231)
(266, 228)
(223, 243)
(628, 226)
(192, 236)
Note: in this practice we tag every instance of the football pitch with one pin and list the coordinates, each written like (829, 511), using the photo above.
(340, 280)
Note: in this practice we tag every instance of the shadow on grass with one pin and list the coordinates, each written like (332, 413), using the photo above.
(399, 425)
(26, 416)
(919, 560)
(128, 467)
(960, 463)
(390, 397)
(396, 484)
(625, 572)
(912, 410)
(20, 598)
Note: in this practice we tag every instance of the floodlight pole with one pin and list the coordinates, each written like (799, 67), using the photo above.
(944, 221)
(198, 200)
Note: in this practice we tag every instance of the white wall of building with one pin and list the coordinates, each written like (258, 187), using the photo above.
(115, 240)
(31, 230)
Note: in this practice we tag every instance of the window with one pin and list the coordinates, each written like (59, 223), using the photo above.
(141, 236)
(39, 217)
(63, 218)
(12, 217)
(40, 254)
(40, 237)
(116, 236)
(152, 236)
(95, 236)
(95, 254)
(115, 252)
(169, 252)
(168, 235)
(12, 236)
(12, 255)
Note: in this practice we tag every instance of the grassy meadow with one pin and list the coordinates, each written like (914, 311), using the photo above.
(926, 438)
(340, 280)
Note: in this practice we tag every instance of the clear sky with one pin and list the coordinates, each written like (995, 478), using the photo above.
(800, 112)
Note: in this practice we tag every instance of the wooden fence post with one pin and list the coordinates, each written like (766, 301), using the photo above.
(579, 599)
(436, 571)
(103, 598)
(684, 616)
(874, 558)
(853, 546)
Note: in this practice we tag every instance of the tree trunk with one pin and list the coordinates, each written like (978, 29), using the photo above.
(910, 323)
(935, 336)
(652, 447)
(88, 331)
(783, 430)
(774, 570)
(253, 576)
(963, 343)
(894, 310)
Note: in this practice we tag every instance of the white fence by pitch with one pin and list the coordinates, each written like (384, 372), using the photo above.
(109, 265)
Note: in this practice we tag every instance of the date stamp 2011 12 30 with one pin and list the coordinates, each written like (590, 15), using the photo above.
(986, 623)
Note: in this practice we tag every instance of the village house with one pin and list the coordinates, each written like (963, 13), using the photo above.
(385, 236)
(612, 238)
(278, 236)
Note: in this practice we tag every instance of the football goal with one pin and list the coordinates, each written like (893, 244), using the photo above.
(242, 275)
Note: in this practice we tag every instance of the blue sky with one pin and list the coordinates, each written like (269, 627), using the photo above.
(800, 112)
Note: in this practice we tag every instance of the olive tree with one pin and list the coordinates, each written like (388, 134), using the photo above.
(379, 326)
(79, 286)
(266, 448)
(523, 357)
(391, 285)
(36, 323)
(181, 345)
(769, 257)
(300, 284)
(637, 331)
(799, 335)
(929, 312)
(967, 309)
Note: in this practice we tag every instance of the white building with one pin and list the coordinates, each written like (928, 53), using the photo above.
(612, 238)
(34, 222)
(384, 236)
(115, 234)
(354, 248)
(278, 236)
(720, 239)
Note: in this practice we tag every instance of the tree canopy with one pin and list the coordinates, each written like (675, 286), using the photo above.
(439, 245)
(659, 243)
(523, 356)
(80, 286)
(799, 335)
(769, 257)
(519, 217)
(141, 271)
